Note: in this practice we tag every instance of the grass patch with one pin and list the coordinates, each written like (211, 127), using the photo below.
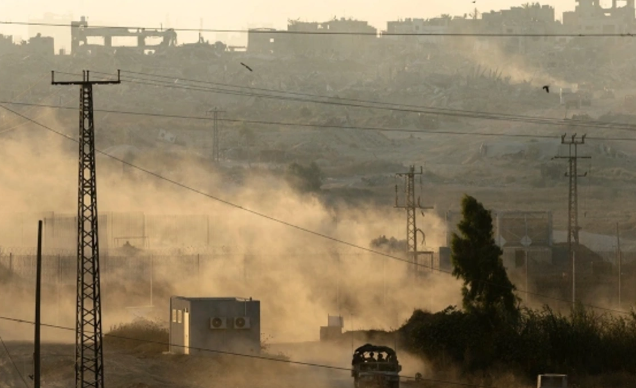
(141, 335)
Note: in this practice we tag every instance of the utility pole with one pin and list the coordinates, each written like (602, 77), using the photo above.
(411, 205)
(525, 248)
(573, 201)
(619, 259)
(216, 147)
(38, 293)
(152, 274)
(89, 359)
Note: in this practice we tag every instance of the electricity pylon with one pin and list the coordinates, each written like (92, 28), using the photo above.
(412, 205)
(89, 359)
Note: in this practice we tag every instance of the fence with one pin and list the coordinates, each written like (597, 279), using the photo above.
(62, 269)
(115, 229)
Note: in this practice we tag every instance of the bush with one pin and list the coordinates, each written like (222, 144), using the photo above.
(541, 341)
(305, 179)
(141, 335)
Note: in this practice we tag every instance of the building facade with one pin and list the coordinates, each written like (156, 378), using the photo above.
(206, 325)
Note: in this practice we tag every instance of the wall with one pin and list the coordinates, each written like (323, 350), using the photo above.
(418, 26)
(176, 325)
(115, 228)
(229, 339)
(512, 227)
(261, 42)
(329, 45)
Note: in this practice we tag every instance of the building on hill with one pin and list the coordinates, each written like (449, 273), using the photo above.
(262, 41)
(343, 38)
(42, 45)
(418, 26)
(530, 13)
(534, 19)
(309, 39)
(590, 18)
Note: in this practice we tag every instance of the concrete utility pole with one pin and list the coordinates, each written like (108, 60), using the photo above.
(573, 201)
(89, 359)
(411, 205)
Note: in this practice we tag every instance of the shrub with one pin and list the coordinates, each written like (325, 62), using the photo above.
(540, 341)
(141, 335)
(305, 179)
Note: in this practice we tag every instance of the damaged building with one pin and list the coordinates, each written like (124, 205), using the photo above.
(262, 41)
(92, 40)
(417, 26)
(590, 18)
(37, 45)
(335, 38)
(529, 19)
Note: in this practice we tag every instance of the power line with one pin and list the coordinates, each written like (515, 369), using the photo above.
(342, 33)
(457, 113)
(399, 108)
(218, 199)
(374, 104)
(340, 99)
(326, 126)
(286, 223)
(252, 356)
(13, 363)
(336, 98)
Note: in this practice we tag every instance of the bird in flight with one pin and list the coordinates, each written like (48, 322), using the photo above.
(546, 88)
(247, 67)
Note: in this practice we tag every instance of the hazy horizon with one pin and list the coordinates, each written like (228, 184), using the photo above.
(243, 13)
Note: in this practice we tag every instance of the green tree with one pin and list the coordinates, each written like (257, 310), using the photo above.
(305, 179)
(477, 260)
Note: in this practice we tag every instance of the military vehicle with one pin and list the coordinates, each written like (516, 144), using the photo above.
(375, 367)
(552, 381)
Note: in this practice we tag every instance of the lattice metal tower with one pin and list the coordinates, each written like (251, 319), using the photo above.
(573, 199)
(89, 361)
(573, 195)
(215, 138)
(216, 145)
(411, 205)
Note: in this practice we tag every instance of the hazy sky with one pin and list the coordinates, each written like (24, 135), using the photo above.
(239, 14)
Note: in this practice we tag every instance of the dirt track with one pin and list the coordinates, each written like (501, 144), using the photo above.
(139, 369)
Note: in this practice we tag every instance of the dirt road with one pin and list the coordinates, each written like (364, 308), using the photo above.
(140, 369)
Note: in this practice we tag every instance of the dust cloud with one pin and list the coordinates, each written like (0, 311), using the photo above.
(299, 277)
(516, 67)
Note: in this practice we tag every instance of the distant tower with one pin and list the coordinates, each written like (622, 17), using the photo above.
(411, 205)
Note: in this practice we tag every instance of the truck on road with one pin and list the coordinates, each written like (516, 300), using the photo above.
(375, 367)
(552, 381)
